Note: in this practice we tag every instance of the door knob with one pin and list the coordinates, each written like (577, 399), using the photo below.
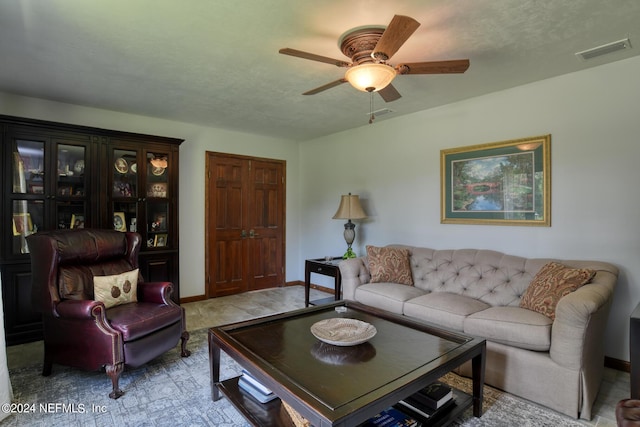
(243, 234)
(252, 233)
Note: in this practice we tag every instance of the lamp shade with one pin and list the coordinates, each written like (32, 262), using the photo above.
(350, 208)
(366, 76)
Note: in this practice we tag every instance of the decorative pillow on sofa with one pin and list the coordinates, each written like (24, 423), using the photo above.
(389, 265)
(551, 283)
(117, 289)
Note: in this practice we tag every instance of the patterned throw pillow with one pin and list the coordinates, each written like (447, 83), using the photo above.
(117, 289)
(389, 265)
(551, 283)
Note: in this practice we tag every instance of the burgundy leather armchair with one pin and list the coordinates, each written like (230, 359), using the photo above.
(81, 332)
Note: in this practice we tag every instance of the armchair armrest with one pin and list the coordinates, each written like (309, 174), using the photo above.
(354, 272)
(581, 318)
(76, 309)
(156, 292)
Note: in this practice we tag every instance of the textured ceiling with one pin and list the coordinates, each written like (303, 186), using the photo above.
(216, 62)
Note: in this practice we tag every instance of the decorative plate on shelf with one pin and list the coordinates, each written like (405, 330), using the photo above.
(121, 165)
(343, 332)
(134, 167)
(157, 171)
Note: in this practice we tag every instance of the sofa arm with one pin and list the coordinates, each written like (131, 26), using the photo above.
(156, 292)
(354, 272)
(581, 318)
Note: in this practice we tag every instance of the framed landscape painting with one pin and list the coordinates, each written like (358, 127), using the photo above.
(501, 183)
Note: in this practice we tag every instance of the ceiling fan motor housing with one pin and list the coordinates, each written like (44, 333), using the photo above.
(359, 44)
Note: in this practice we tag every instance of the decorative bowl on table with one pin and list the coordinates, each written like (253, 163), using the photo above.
(343, 331)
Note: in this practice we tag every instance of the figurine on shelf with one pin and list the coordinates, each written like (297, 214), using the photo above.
(122, 189)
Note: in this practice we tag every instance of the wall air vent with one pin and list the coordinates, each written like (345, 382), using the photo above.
(604, 49)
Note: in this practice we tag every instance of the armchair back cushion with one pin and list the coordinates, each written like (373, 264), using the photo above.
(79, 255)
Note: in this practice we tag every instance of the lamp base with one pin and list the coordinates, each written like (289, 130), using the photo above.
(349, 254)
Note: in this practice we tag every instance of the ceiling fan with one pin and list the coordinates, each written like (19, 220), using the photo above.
(370, 48)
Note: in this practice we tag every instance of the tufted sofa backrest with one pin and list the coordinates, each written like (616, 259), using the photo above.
(493, 277)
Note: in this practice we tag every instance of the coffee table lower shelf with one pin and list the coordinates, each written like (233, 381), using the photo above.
(273, 414)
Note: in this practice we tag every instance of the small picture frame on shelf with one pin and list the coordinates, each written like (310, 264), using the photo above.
(77, 221)
(160, 240)
(22, 224)
(122, 189)
(134, 225)
(65, 191)
(159, 222)
(157, 189)
(119, 221)
(36, 189)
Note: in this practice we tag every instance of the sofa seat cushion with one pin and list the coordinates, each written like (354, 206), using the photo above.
(513, 326)
(138, 319)
(444, 308)
(386, 296)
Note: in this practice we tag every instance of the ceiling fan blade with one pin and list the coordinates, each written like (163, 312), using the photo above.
(314, 57)
(434, 67)
(389, 93)
(399, 30)
(325, 87)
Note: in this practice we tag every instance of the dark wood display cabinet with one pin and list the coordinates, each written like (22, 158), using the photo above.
(57, 176)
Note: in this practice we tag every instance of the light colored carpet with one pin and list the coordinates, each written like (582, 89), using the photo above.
(174, 391)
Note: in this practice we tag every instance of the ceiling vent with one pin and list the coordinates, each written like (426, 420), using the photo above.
(604, 49)
(381, 112)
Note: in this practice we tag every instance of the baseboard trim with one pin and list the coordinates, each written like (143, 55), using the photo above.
(617, 364)
(203, 297)
(193, 299)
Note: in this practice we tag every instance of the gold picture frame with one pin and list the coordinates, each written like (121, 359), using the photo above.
(119, 221)
(22, 224)
(500, 183)
(160, 240)
(77, 221)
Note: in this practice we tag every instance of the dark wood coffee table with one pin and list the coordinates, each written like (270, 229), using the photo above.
(341, 386)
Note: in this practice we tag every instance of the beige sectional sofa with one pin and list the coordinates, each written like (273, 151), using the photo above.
(557, 362)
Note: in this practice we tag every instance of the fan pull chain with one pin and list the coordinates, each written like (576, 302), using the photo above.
(371, 117)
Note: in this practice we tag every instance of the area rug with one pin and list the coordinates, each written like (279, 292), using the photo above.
(174, 391)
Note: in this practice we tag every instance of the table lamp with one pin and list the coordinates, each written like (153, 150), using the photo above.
(349, 209)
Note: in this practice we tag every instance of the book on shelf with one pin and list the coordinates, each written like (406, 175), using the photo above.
(250, 378)
(391, 417)
(434, 395)
(421, 412)
(255, 389)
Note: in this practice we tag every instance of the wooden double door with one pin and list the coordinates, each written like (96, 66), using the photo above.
(245, 217)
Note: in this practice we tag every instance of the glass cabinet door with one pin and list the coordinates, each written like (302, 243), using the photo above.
(48, 186)
(70, 186)
(28, 188)
(28, 167)
(157, 200)
(124, 189)
(27, 217)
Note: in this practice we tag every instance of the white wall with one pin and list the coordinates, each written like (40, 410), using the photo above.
(393, 165)
(198, 140)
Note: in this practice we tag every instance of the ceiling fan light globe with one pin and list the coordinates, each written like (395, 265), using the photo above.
(366, 76)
